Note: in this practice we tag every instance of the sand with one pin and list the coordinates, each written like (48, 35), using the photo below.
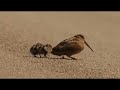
(20, 30)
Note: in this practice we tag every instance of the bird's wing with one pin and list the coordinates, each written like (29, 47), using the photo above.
(67, 46)
(67, 41)
(63, 43)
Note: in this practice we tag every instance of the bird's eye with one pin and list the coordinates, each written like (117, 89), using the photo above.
(82, 36)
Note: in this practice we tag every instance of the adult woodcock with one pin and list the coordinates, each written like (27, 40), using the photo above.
(70, 46)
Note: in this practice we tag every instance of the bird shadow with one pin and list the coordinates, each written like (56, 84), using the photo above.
(64, 59)
(52, 58)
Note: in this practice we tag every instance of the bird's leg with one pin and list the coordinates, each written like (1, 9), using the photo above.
(45, 55)
(35, 56)
(62, 57)
(72, 58)
(40, 55)
(48, 56)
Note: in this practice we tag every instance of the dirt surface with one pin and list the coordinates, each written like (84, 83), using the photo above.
(20, 30)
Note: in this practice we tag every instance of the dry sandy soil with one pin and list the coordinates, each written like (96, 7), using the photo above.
(20, 30)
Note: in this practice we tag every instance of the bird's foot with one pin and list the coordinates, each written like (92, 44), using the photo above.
(40, 56)
(73, 58)
(35, 56)
(62, 57)
(46, 57)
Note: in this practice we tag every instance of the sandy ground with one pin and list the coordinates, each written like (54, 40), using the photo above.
(20, 30)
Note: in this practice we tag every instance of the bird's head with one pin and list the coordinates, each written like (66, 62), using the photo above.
(80, 36)
(83, 38)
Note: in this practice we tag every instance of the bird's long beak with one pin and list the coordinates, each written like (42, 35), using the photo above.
(88, 45)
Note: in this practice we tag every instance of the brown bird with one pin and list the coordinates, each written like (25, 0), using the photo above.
(71, 46)
(39, 49)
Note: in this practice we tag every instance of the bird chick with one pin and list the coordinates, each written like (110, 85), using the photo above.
(39, 49)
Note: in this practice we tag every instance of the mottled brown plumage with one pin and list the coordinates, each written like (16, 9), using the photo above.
(39, 49)
(71, 46)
